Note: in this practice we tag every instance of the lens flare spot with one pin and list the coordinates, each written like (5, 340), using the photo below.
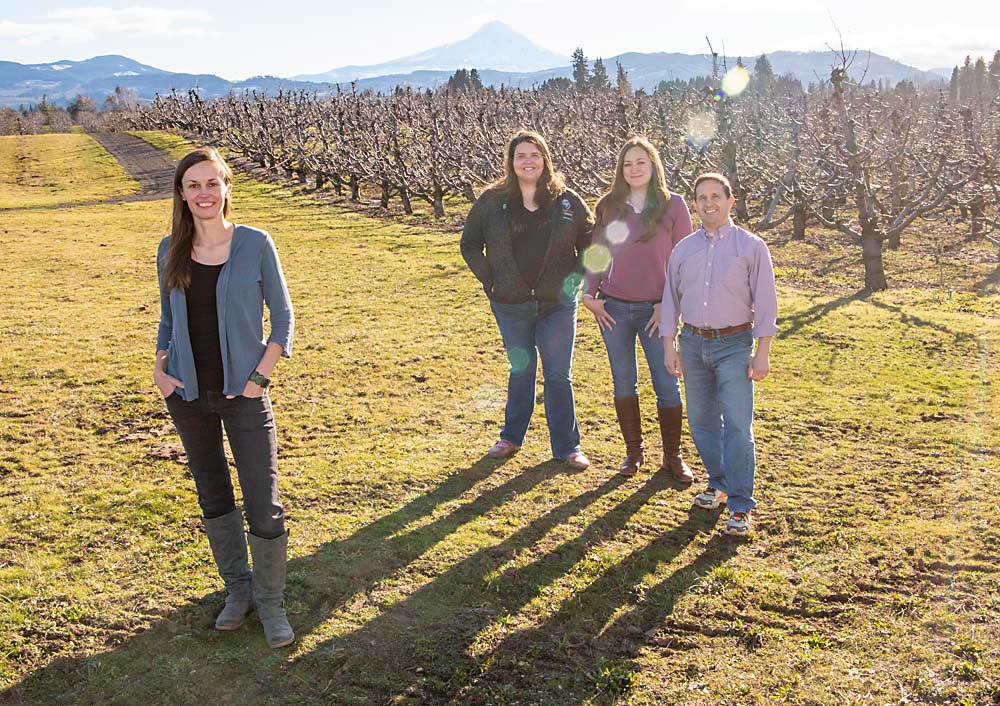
(519, 359)
(735, 81)
(700, 130)
(617, 232)
(597, 258)
(488, 397)
(572, 284)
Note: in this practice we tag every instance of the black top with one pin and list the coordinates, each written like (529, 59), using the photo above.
(203, 326)
(530, 241)
(567, 223)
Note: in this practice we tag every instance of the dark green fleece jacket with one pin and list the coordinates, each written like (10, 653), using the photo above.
(488, 228)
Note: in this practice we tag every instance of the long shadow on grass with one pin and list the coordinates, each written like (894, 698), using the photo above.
(603, 625)
(180, 659)
(430, 645)
(989, 283)
(911, 320)
(793, 324)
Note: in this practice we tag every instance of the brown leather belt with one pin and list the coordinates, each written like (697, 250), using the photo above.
(719, 332)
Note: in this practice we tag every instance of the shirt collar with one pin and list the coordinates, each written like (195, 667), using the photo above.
(724, 230)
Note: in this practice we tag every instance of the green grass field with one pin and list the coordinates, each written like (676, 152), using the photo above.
(422, 572)
(45, 170)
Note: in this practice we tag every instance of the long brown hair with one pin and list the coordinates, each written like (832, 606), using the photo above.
(177, 270)
(613, 205)
(550, 184)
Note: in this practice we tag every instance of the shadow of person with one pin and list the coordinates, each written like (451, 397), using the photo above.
(429, 644)
(183, 660)
(607, 621)
(357, 640)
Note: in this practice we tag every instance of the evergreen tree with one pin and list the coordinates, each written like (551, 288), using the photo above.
(953, 86)
(459, 81)
(465, 80)
(81, 104)
(581, 69)
(995, 73)
(122, 99)
(763, 74)
(980, 80)
(624, 85)
(600, 81)
(965, 91)
(556, 83)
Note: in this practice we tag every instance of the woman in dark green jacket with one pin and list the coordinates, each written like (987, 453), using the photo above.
(524, 239)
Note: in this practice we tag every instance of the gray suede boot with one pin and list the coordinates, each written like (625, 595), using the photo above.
(269, 558)
(229, 547)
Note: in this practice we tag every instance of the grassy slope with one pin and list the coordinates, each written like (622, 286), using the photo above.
(45, 170)
(422, 572)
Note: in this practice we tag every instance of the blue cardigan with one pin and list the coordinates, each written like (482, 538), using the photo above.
(250, 277)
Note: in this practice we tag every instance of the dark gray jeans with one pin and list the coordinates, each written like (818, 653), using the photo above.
(249, 426)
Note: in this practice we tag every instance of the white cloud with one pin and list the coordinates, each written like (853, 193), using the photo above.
(87, 24)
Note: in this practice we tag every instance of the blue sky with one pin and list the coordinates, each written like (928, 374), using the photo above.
(236, 39)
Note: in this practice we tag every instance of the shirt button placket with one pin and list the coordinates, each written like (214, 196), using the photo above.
(708, 278)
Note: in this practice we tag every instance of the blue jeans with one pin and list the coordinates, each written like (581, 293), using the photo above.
(528, 330)
(720, 411)
(630, 319)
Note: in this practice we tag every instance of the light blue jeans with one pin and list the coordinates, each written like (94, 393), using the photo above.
(630, 320)
(720, 411)
(530, 330)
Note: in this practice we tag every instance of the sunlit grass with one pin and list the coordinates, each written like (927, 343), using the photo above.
(44, 170)
(422, 573)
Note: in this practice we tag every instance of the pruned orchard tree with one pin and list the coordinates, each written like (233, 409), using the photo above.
(864, 161)
(889, 159)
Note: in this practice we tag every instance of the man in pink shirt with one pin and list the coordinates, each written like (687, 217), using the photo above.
(720, 282)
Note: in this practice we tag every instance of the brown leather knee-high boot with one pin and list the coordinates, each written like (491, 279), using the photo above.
(630, 421)
(670, 431)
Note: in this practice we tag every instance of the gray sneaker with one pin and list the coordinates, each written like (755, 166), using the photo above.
(709, 499)
(738, 525)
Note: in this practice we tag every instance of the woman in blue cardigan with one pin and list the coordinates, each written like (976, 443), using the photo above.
(213, 367)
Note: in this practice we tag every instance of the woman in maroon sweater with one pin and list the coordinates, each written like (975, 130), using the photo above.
(638, 224)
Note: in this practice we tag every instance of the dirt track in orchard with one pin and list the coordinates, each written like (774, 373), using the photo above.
(151, 167)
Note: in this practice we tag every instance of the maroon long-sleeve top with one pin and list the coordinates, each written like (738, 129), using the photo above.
(621, 266)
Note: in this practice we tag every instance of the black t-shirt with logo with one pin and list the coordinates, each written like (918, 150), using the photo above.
(530, 241)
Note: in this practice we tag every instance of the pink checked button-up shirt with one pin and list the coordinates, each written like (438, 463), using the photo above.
(721, 280)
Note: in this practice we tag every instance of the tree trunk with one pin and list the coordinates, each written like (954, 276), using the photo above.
(355, 188)
(338, 185)
(799, 222)
(732, 171)
(871, 255)
(976, 210)
(404, 195)
(438, 202)
(383, 200)
(320, 180)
